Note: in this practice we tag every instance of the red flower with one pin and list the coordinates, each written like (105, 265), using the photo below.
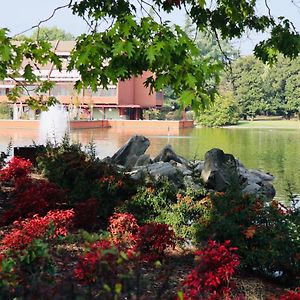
(17, 168)
(24, 232)
(291, 295)
(153, 239)
(212, 277)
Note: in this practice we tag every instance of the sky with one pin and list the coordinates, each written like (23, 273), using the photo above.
(20, 15)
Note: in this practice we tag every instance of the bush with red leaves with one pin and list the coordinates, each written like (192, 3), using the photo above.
(17, 168)
(32, 197)
(123, 228)
(153, 239)
(291, 295)
(150, 240)
(100, 264)
(86, 214)
(24, 232)
(211, 279)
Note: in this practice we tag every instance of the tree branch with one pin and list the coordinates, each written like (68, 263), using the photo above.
(45, 20)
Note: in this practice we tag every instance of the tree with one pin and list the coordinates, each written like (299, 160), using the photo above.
(248, 77)
(52, 34)
(224, 111)
(133, 43)
(48, 34)
(209, 44)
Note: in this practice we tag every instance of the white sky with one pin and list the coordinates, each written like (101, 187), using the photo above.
(19, 15)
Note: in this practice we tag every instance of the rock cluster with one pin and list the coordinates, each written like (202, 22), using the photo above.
(216, 172)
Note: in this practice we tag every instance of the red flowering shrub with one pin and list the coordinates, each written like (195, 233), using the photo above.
(291, 295)
(32, 197)
(123, 228)
(153, 239)
(100, 263)
(212, 277)
(16, 169)
(24, 232)
(86, 214)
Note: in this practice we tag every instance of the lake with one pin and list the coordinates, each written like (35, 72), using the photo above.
(272, 150)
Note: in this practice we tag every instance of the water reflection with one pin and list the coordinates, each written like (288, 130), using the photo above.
(275, 151)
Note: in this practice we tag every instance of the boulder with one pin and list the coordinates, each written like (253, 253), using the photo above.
(143, 160)
(267, 190)
(219, 169)
(263, 176)
(159, 170)
(167, 154)
(199, 166)
(128, 154)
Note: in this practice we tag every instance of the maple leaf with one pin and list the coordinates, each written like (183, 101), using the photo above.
(250, 232)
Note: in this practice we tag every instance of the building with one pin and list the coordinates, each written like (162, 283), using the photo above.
(126, 100)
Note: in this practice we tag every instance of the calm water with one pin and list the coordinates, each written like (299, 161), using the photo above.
(274, 150)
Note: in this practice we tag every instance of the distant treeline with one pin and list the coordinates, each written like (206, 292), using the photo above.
(260, 89)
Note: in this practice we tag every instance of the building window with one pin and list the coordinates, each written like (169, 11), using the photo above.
(62, 90)
(110, 92)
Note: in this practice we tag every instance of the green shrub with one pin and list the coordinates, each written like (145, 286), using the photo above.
(5, 111)
(184, 213)
(150, 201)
(266, 234)
(72, 169)
(223, 111)
(93, 187)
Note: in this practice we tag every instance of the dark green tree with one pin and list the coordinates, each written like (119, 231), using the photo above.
(248, 77)
(292, 94)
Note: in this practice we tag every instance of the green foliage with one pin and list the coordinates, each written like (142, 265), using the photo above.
(94, 188)
(263, 90)
(248, 76)
(12, 56)
(132, 44)
(184, 213)
(119, 51)
(5, 111)
(266, 234)
(72, 169)
(165, 204)
(51, 34)
(149, 201)
(224, 111)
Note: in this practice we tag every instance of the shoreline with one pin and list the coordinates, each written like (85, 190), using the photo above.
(266, 124)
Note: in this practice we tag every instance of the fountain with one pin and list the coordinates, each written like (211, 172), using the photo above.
(54, 124)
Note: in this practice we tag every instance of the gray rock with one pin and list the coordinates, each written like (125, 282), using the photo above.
(162, 169)
(167, 154)
(219, 169)
(268, 190)
(143, 160)
(263, 176)
(137, 174)
(251, 178)
(159, 170)
(184, 170)
(252, 189)
(128, 154)
(189, 182)
(199, 167)
(265, 190)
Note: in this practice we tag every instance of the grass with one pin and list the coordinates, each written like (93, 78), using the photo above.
(276, 124)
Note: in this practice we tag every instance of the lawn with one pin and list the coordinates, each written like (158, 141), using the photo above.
(277, 124)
